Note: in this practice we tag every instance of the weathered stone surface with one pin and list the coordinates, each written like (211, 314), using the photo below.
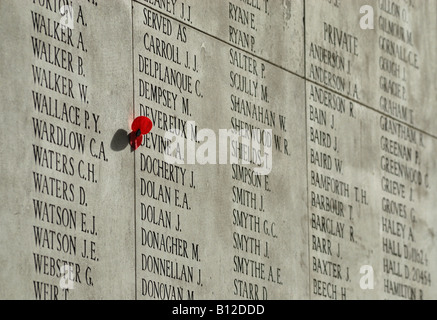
(344, 203)
(240, 231)
(370, 202)
(62, 183)
(389, 69)
(271, 30)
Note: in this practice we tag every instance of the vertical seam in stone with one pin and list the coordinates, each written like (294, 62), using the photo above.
(135, 189)
(306, 143)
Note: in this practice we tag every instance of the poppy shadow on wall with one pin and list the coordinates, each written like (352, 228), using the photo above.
(140, 127)
(120, 140)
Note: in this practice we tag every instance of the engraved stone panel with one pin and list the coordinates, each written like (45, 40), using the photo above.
(370, 202)
(389, 69)
(271, 30)
(224, 217)
(292, 154)
(67, 206)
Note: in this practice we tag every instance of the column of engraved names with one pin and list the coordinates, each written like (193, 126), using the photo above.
(334, 200)
(398, 57)
(335, 59)
(332, 57)
(66, 149)
(243, 26)
(255, 234)
(404, 152)
(165, 86)
(404, 178)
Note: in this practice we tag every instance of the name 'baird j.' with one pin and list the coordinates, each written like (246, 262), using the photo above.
(249, 147)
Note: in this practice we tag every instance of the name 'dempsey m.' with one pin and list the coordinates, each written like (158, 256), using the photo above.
(200, 311)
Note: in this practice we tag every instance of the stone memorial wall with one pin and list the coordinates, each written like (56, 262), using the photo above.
(292, 155)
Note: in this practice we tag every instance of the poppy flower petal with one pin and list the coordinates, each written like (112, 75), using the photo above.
(135, 141)
(142, 123)
(138, 141)
(146, 126)
(140, 126)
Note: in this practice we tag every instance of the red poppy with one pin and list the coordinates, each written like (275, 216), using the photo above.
(140, 127)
